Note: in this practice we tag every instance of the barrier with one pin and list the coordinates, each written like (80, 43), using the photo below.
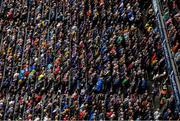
(174, 79)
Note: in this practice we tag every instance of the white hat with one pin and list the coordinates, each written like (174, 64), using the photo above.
(36, 59)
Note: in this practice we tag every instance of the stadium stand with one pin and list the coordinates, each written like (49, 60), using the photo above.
(82, 60)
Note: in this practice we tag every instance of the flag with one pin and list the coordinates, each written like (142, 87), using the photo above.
(153, 58)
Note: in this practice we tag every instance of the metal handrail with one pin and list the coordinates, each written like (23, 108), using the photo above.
(4, 68)
(6, 107)
(162, 28)
(166, 29)
(17, 95)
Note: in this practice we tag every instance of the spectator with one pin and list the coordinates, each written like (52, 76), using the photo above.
(81, 60)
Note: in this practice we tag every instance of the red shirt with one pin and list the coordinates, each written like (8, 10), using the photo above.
(38, 97)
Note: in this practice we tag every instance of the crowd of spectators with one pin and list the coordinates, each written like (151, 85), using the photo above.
(171, 16)
(82, 60)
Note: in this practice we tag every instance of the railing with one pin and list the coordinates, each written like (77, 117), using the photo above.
(171, 34)
(43, 61)
(171, 66)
